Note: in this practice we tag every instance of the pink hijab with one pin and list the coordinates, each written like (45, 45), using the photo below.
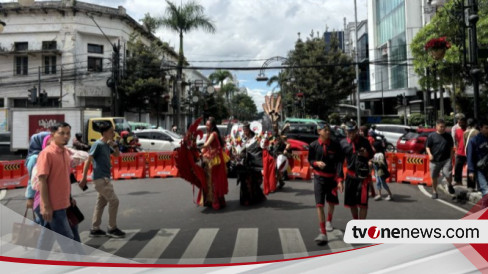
(44, 142)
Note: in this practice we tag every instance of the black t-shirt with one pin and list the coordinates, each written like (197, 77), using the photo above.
(440, 146)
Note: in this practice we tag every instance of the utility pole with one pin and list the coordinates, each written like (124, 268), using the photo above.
(39, 82)
(61, 88)
(358, 99)
(473, 54)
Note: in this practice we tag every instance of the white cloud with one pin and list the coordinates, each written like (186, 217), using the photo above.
(248, 29)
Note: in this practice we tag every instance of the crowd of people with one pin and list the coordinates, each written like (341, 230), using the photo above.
(259, 165)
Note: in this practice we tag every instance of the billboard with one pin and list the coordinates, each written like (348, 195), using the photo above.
(39, 123)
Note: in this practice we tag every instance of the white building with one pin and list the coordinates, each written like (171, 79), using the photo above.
(58, 46)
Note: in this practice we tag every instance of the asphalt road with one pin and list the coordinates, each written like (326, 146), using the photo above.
(163, 221)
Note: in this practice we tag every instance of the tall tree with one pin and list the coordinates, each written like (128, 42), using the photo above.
(448, 23)
(246, 106)
(183, 19)
(141, 87)
(323, 73)
(218, 77)
(150, 23)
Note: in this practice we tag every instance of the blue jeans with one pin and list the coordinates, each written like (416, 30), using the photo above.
(54, 230)
(483, 184)
(380, 182)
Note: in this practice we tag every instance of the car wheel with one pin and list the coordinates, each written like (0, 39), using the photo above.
(390, 148)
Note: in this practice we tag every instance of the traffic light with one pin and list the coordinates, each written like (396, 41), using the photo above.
(32, 96)
(43, 99)
(400, 100)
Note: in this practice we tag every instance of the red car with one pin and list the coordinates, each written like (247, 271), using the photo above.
(297, 145)
(414, 141)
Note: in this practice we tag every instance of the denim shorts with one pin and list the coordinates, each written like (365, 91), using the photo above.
(437, 167)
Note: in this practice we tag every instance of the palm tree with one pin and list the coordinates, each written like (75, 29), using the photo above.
(218, 77)
(183, 19)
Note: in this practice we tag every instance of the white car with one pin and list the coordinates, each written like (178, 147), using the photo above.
(158, 139)
(392, 132)
(201, 141)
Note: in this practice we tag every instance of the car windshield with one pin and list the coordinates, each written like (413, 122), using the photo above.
(121, 124)
(172, 134)
(410, 135)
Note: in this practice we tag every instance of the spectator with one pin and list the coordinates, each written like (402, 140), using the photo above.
(381, 171)
(100, 157)
(35, 147)
(174, 128)
(460, 151)
(457, 117)
(53, 165)
(78, 143)
(469, 134)
(439, 147)
(477, 159)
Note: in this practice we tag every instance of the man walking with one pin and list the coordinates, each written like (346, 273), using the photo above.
(469, 134)
(478, 161)
(439, 147)
(358, 153)
(326, 158)
(460, 151)
(100, 157)
(53, 165)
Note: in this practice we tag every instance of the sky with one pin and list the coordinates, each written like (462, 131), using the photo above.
(248, 30)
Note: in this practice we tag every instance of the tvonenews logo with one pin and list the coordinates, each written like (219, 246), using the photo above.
(416, 231)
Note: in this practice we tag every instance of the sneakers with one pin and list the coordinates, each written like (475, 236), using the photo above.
(450, 188)
(321, 239)
(116, 233)
(328, 227)
(281, 184)
(377, 198)
(435, 196)
(388, 198)
(97, 233)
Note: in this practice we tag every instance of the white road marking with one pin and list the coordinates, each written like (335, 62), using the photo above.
(155, 248)
(246, 246)
(292, 243)
(197, 250)
(3, 193)
(422, 189)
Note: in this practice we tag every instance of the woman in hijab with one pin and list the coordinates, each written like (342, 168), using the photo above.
(35, 147)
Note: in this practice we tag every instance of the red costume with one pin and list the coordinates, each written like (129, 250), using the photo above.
(215, 168)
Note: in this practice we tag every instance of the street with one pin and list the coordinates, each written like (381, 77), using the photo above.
(164, 225)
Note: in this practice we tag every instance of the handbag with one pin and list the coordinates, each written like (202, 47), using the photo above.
(74, 215)
(25, 234)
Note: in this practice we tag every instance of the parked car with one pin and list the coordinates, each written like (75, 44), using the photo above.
(308, 132)
(158, 139)
(222, 130)
(414, 141)
(297, 145)
(392, 132)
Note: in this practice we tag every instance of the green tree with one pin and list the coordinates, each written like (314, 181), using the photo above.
(183, 19)
(245, 107)
(150, 23)
(141, 87)
(218, 77)
(447, 22)
(323, 73)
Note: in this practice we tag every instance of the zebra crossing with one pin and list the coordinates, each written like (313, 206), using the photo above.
(245, 247)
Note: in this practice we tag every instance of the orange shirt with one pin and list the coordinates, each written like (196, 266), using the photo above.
(54, 162)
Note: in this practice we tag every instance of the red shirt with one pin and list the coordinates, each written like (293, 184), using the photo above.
(459, 136)
(54, 162)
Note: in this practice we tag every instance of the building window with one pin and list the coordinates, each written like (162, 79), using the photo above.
(21, 65)
(92, 48)
(49, 64)
(95, 64)
(21, 46)
(49, 45)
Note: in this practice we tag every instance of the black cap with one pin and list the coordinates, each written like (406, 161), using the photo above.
(351, 126)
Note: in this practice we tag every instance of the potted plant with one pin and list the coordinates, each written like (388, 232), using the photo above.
(437, 47)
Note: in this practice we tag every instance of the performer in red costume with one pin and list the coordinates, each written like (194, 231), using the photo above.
(214, 163)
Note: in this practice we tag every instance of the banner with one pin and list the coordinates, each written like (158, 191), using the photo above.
(39, 123)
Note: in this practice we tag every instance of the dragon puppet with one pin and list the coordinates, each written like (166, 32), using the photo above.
(187, 156)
